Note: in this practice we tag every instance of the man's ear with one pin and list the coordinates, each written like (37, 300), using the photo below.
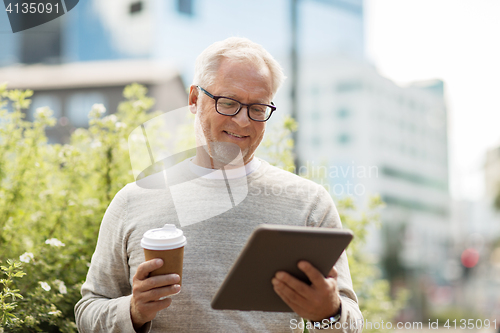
(193, 99)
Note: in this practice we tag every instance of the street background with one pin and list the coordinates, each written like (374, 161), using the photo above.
(392, 97)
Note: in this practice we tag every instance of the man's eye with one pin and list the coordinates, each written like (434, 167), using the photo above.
(227, 103)
(258, 109)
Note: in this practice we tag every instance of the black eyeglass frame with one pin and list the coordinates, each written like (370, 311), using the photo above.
(216, 98)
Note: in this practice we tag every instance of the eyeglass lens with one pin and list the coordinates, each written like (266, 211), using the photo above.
(229, 107)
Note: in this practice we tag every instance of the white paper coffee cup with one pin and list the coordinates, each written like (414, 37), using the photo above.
(168, 244)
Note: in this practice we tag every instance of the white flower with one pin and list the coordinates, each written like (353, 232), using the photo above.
(61, 286)
(43, 112)
(99, 108)
(36, 216)
(139, 104)
(26, 257)
(30, 320)
(56, 313)
(120, 125)
(62, 289)
(66, 151)
(111, 118)
(45, 286)
(54, 242)
(95, 144)
(80, 132)
(45, 193)
(91, 202)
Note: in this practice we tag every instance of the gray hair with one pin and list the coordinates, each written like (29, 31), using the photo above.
(236, 49)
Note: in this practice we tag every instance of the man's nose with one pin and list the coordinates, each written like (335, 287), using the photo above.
(242, 117)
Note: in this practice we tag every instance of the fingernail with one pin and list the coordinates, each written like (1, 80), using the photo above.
(159, 262)
(280, 275)
(177, 287)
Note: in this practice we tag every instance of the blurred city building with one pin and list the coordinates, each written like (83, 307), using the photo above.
(378, 137)
(71, 89)
(475, 226)
(178, 30)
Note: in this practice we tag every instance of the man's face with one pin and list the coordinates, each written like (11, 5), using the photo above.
(246, 83)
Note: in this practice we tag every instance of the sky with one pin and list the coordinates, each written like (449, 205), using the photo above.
(457, 41)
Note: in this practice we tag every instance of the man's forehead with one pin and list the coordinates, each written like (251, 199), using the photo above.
(234, 76)
(248, 69)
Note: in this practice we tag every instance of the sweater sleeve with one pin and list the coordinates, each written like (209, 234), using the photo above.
(324, 214)
(106, 293)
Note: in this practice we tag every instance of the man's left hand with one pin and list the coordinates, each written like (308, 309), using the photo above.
(316, 302)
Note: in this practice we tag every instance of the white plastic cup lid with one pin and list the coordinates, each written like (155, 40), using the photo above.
(166, 238)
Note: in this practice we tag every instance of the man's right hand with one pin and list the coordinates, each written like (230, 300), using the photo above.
(147, 291)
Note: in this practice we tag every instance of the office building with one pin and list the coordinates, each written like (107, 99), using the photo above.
(378, 137)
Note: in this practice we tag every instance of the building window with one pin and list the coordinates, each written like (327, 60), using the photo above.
(135, 7)
(348, 86)
(316, 141)
(42, 46)
(411, 104)
(185, 6)
(79, 105)
(315, 115)
(344, 138)
(343, 113)
(315, 91)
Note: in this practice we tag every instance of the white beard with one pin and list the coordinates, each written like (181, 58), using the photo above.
(226, 153)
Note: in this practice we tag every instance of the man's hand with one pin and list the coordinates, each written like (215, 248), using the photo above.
(147, 291)
(316, 302)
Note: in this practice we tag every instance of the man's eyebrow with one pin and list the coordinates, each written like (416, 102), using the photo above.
(233, 96)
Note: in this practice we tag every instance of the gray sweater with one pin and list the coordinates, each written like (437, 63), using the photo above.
(274, 196)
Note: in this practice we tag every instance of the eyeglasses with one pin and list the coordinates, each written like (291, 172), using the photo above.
(230, 107)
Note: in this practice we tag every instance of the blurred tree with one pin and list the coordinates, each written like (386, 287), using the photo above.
(393, 239)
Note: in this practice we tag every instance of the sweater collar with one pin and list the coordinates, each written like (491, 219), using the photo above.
(239, 172)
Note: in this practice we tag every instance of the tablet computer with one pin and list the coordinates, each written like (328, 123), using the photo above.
(273, 248)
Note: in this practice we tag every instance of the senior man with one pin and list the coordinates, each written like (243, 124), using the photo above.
(231, 96)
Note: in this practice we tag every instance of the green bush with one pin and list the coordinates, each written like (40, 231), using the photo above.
(53, 197)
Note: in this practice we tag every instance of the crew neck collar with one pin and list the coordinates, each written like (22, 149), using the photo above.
(239, 172)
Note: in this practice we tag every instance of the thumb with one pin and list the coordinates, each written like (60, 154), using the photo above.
(333, 273)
